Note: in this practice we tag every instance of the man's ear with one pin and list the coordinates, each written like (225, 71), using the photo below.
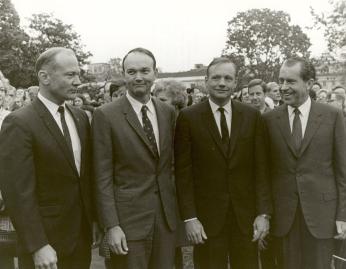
(43, 77)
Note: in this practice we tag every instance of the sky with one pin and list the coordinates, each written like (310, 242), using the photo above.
(180, 33)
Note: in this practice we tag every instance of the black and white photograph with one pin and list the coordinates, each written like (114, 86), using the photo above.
(179, 134)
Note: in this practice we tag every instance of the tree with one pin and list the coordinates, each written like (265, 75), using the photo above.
(13, 43)
(46, 31)
(263, 38)
(333, 23)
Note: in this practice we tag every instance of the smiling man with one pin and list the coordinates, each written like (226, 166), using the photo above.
(307, 142)
(133, 138)
(221, 180)
(257, 93)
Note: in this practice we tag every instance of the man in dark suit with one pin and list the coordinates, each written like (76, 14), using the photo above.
(44, 164)
(133, 139)
(220, 171)
(306, 142)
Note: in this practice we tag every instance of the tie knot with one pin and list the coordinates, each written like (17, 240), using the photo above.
(144, 109)
(221, 109)
(61, 109)
(296, 111)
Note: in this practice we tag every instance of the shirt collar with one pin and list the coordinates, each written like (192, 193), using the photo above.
(137, 106)
(215, 107)
(304, 108)
(51, 106)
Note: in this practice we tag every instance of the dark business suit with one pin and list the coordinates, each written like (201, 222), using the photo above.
(48, 201)
(134, 187)
(224, 190)
(308, 185)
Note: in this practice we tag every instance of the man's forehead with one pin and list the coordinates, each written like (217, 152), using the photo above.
(138, 60)
(228, 68)
(290, 69)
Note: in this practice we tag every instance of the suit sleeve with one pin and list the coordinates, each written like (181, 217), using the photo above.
(183, 168)
(103, 170)
(263, 188)
(340, 165)
(18, 183)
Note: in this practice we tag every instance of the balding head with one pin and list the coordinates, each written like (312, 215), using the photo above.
(48, 57)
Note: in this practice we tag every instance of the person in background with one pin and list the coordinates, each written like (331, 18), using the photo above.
(244, 95)
(274, 93)
(117, 89)
(257, 92)
(33, 91)
(18, 103)
(316, 87)
(80, 102)
(322, 96)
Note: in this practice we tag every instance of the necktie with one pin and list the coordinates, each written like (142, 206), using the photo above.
(148, 129)
(224, 128)
(67, 136)
(297, 132)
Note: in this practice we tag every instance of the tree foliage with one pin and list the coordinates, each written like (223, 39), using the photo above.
(19, 48)
(333, 23)
(263, 38)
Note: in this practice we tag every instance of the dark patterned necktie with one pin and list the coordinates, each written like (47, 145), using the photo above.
(224, 128)
(297, 132)
(67, 136)
(149, 131)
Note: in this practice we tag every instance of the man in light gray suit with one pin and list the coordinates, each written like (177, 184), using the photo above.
(133, 138)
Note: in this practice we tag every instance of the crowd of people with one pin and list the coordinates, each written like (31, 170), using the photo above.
(251, 178)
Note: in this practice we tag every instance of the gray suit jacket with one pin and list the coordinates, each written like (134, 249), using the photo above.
(127, 174)
(315, 176)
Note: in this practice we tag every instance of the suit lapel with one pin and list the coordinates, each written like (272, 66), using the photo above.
(314, 122)
(285, 129)
(81, 134)
(163, 123)
(132, 119)
(55, 131)
(209, 120)
(236, 124)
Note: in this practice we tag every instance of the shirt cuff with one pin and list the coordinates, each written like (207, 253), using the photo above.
(187, 220)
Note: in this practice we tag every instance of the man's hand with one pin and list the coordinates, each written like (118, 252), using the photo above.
(260, 228)
(341, 230)
(117, 240)
(97, 235)
(45, 258)
(195, 232)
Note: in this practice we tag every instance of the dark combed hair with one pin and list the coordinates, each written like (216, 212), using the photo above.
(307, 69)
(49, 56)
(260, 82)
(140, 50)
(222, 60)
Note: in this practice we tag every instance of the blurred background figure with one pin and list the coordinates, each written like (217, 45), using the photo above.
(336, 100)
(244, 95)
(83, 104)
(273, 92)
(9, 98)
(316, 87)
(117, 89)
(171, 92)
(33, 91)
(18, 103)
(257, 89)
(322, 96)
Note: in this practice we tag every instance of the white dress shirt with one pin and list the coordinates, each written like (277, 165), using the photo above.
(304, 114)
(217, 115)
(53, 109)
(151, 112)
